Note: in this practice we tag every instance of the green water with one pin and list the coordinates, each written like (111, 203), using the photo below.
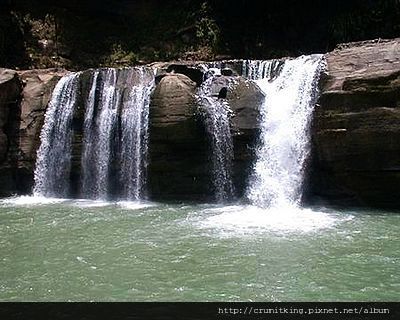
(86, 251)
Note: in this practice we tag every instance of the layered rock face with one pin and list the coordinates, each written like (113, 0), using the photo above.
(357, 126)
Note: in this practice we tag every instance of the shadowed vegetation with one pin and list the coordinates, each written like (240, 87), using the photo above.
(87, 33)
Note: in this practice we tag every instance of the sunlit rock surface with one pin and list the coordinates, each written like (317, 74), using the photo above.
(357, 125)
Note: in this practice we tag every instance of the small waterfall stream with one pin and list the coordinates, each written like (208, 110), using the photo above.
(286, 114)
(88, 177)
(104, 128)
(216, 116)
(53, 162)
(135, 135)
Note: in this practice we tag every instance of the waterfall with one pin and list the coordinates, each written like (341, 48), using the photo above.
(53, 162)
(122, 112)
(134, 137)
(261, 69)
(115, 135)
(291, 90)
(115, 105)
(105, 125)
(98, 132)
(216, 116)
(89, 176)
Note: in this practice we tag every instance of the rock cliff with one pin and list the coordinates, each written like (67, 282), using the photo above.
(357, 125)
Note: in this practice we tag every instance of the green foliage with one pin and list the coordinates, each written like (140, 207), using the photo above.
(119, 57)
(39, 34)
(207, 30)
(40, 39)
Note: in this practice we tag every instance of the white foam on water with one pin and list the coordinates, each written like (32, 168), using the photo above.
(135, 205)
(87, 203)
(31, 200)
(80, 203)
(241, 220)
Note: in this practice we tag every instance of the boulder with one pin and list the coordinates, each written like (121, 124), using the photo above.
(177, 149)
(357, 126)
(245, 99)
(173, 100)
(192, 71)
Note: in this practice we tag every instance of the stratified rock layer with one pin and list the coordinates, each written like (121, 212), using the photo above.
(357, 126)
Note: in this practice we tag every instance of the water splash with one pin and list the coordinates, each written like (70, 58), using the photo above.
(239, 220)
(286, 114)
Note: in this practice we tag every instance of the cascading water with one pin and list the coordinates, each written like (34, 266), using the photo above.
(105, 125)
(261, 69)
(89, 174)
(134, 135)
(115, 134)
(284, 139)
(216, 114)
(53, 162)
